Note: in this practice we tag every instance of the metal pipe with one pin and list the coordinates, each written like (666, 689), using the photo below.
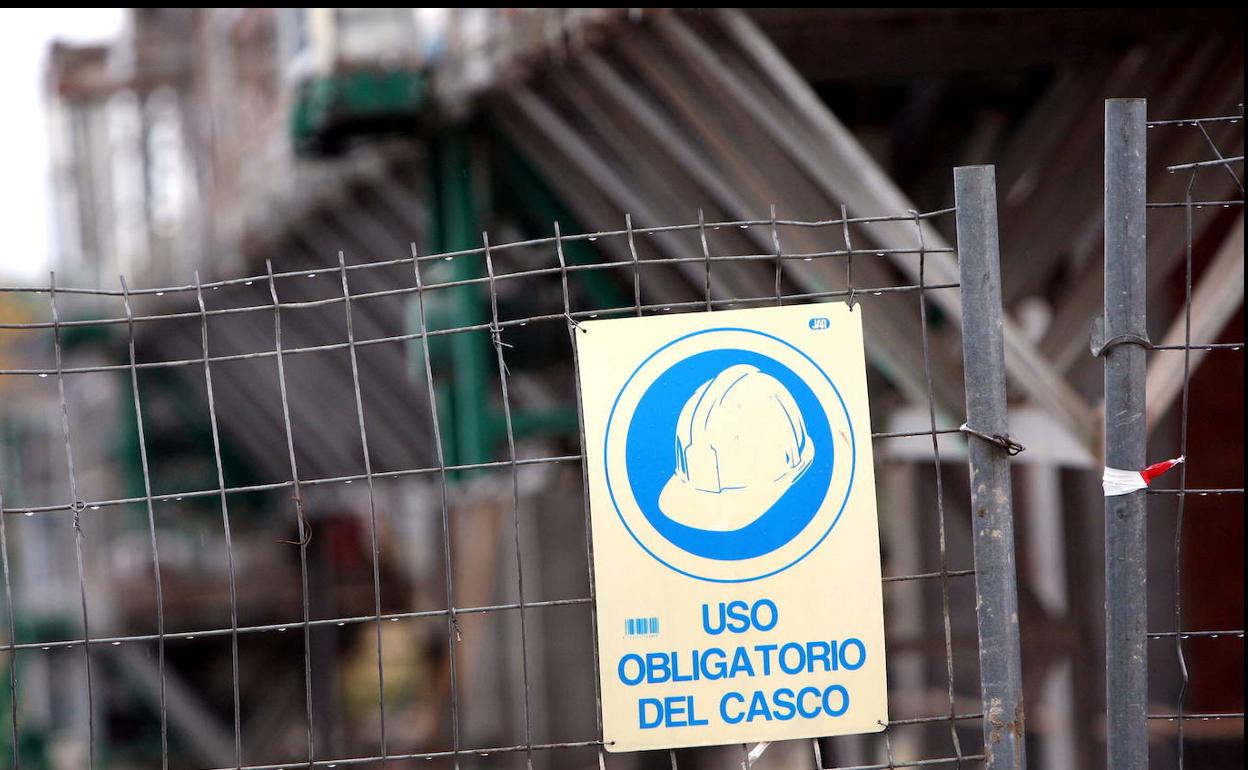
(1126, 434)
(983, 353)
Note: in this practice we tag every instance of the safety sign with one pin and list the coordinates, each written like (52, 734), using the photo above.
(735, 545)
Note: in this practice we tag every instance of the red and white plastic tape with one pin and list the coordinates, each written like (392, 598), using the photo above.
(1119, 482)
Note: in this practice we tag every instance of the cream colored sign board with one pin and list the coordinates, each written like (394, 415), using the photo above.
(736, 550)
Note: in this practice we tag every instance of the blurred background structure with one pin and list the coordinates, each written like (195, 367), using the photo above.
(209, 141)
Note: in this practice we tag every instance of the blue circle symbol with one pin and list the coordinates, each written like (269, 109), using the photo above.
(649, 436)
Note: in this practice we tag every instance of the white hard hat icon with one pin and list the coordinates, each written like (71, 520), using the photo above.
(740, 444)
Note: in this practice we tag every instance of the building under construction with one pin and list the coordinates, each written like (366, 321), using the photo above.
(309, 149)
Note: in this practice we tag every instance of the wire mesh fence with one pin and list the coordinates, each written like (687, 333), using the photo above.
(349, 492)
(1174, 612)
(1200, 638)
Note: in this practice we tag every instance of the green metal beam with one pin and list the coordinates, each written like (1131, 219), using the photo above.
(457, 227)
(526, 192)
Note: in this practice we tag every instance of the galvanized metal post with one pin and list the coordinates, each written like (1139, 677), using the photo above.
(1126, 601)
(983, 353)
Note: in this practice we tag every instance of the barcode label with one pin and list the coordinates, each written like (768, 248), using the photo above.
(641, 626)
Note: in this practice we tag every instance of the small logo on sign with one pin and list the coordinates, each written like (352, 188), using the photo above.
(819, 324)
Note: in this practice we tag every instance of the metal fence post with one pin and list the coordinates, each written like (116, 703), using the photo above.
(1000, 659)
(1126, 601)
